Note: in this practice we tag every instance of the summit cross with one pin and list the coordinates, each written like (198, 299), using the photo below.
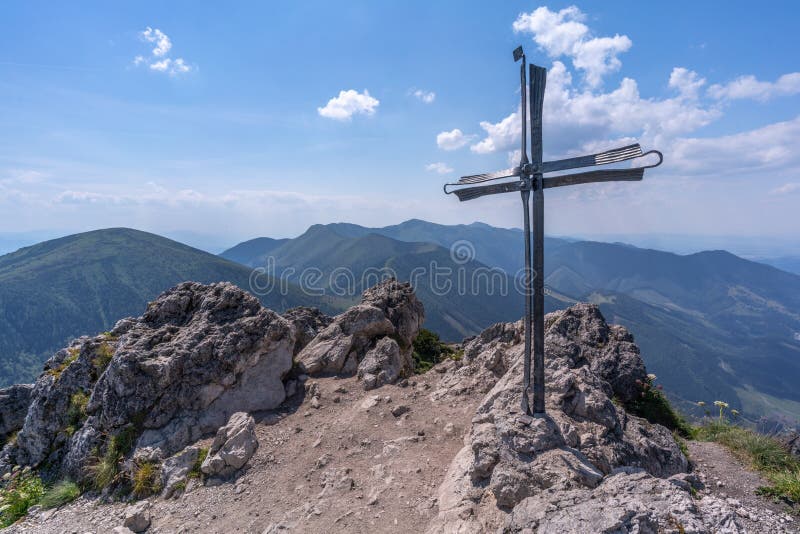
(529, 177)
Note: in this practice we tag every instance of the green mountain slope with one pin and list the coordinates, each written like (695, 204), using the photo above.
(345, 262)
(84, 283)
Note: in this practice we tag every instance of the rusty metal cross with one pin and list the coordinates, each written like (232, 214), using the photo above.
(529, 178)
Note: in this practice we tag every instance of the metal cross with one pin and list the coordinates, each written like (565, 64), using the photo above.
(529, 175)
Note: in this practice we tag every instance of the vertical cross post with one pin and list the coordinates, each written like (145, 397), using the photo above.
(525, 193)
(538, 79)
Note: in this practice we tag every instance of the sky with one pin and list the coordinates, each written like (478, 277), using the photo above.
(222, 123)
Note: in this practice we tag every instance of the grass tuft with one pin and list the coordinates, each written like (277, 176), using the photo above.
(653, 405)
(21, 489)
(146, 480)
(60, 494)
(72, 355)
(102, 357)
(201, 457)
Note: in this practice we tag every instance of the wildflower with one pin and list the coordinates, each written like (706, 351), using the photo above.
(721, 404)
(735, 412)
(701, 403)
(651, 377)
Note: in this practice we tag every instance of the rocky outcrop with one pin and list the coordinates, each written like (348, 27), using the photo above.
(199, 354)
(627, 501)
(307, 322)
(389, 313)
(14, 403)
(234, 444)
(510, 457)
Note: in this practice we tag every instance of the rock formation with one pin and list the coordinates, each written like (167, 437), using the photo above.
(197, 355)
(14, 403)
(516, 472)
(373, 338)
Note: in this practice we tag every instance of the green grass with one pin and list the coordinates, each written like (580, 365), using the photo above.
(763, 453)
(105, 471)
(60, 494)
(201, 457)
(71, 357)
(145, 479)
(20, 491)
(654, 406)
(77, 408)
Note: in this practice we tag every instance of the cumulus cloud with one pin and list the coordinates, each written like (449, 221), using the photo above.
(563, 33)
(160, 62)
(349, 103)
(749, 87)
(439, 167)
(452, 140)
(162, 42)
(425, 96)
(576, 118)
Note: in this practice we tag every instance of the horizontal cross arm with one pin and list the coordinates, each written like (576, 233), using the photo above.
(601, 158)
(470, 193)
(616, 175)
(478, 178)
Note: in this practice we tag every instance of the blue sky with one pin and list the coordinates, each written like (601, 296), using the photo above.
(235, 121)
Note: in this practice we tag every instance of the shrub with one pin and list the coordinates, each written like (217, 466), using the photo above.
(653, 405)
(145, 479)
(22, 489)
(430, 350)
(77, 408)
(102, 357)
(60, 494)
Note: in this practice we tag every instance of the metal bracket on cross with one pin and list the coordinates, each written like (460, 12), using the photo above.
(529, 177)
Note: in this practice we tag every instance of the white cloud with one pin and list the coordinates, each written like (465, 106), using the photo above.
(750, 87)
(686, 81)
(563, 33)
(425, 96)
(349, 103)
(160, 62)
(576, 118)
(769, 148)
(162, 42)
(452, 140)
(439, 167)
(786, 189)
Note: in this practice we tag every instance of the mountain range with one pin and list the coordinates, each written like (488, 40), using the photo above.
(711, 325)
(84, 283)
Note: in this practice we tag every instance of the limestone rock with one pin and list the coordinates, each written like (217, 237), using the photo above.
(625, 502)
(175, 470)
(308, 322)
(583, 438)
(198, 354)
(234, 444)
(382, 364)
(14, 403)
(137, 516)
(389, 313)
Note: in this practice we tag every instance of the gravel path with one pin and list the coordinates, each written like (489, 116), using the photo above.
(725, 477)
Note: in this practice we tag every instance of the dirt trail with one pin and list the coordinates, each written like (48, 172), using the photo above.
(350, 465)
(725, 477)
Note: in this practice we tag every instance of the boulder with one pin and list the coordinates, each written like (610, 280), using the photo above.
(175, 470)
(137, 517)
(234, 444)
(383, 326)
(14, 403)
(199, 354)
(584, 437)
(307, 322)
